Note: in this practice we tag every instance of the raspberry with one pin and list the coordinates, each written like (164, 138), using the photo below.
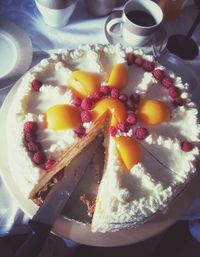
(173, 92)
(96, 96)
(60, 174)
(178, 101)
(115, 92)
(39, 157)
(86, 104)
(167, 82)
(123, 97)
(138, 61)
(130, 58)
(123, 127)
(141, 133)
(105, 90)
(80, 131)
(135, 98)
(86, 116)
(148, 66)
(49, 164)
(131, 119)
(130, 106)
(36, 84)
(186, 146)
(158, 74)
(113, 131)
(33, 147)
(30, 127)
(76, 101)
(30, 137)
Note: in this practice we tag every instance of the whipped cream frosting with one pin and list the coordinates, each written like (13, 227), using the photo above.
(124, 199)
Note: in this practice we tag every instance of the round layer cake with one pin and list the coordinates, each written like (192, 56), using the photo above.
(150, 127)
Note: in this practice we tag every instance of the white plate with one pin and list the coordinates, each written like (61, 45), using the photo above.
(82, 233)
(16, 51)
(159, 40)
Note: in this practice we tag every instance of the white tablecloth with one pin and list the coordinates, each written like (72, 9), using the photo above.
(82, 28)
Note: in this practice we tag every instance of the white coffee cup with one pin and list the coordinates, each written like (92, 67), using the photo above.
(134, 30)
(56, 13)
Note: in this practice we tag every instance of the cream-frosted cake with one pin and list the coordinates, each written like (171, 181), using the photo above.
(150, 127)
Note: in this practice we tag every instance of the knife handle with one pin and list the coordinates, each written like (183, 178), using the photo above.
(34, 243)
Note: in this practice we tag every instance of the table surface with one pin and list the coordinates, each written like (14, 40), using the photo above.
(83, 28)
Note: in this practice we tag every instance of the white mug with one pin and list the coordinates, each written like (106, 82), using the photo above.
(140, 20)
(56, 13)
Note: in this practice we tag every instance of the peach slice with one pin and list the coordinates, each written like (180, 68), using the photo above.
(83, 83)
(129, 151)
(153, 112)
(113, 107)
(118, 77)
(60, 117)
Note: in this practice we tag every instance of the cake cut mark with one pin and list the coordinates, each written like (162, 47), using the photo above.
(158, 171)
(163, 157)
(140, 184)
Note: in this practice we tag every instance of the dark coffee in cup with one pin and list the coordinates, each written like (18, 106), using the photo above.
(141, 18)
(139, 22)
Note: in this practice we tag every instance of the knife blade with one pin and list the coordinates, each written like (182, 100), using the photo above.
(43, 220)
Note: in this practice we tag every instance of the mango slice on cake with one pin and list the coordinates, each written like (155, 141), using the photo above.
(61, 117)
(153, 112)
(129, 151)
(114, 108)
(83, 83)
(118, 77)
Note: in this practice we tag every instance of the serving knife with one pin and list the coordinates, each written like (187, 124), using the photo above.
(42, 222)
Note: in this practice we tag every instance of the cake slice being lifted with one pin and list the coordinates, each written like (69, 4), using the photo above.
(142, 109)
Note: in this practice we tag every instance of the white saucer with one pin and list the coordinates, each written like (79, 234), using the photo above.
(159, 40)
(16, 51)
